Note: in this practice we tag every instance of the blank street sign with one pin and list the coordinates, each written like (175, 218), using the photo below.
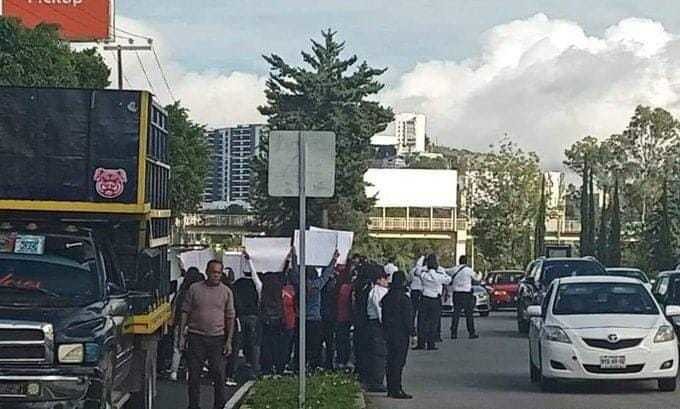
(284, 162)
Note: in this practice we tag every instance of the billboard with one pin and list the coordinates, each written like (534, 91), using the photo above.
(412, 187)
(78, 20)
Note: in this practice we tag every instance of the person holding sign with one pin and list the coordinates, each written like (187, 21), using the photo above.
(314, 284)
(247, 293)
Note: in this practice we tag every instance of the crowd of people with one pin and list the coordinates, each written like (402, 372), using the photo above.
(360, 316)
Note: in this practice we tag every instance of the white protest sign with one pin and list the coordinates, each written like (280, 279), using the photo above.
(196, 258)
(268, 253)
(236, 262)
(344, 242)
(319, 249)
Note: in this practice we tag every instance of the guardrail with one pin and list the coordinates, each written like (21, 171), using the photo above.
(222, 220)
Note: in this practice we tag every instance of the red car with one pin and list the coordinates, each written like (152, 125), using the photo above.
(503, 286)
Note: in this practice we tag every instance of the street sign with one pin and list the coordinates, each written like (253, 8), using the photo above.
(284, 163)
(302, 163)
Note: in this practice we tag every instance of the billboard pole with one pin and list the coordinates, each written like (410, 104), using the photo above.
(303, 273)
(119, 50)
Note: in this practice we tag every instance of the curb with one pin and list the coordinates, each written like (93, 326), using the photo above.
(240, 394)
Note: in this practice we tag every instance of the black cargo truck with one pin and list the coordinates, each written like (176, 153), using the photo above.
(84, 235)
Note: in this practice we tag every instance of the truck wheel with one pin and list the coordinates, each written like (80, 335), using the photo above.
(144, 399)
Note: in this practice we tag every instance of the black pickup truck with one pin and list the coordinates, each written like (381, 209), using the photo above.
(84, 230)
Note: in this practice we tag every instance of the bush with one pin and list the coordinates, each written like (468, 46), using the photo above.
(325, 391)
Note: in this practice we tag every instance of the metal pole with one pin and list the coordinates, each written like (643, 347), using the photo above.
(120, 67)
(303, 273)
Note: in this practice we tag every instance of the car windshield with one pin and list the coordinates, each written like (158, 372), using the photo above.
(505, 278)
(569, 268)
(47, 269)
(603, 298)
(629, 273)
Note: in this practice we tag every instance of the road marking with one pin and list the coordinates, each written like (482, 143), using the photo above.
(239, 395)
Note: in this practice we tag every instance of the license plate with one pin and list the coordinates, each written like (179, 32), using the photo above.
(12, 389)
(612, 362)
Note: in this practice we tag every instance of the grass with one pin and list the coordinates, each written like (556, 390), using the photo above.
(324, 391)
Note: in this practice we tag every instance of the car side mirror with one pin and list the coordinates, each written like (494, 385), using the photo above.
(673, 310)
(114, 289)
(534, 311)
(530, 281)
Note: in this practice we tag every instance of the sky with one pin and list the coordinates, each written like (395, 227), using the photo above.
(540, 73)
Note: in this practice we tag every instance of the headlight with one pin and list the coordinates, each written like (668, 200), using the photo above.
(71, 353)
(556, 334)
(664, 334)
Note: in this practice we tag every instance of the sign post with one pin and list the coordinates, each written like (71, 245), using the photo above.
(290, 177)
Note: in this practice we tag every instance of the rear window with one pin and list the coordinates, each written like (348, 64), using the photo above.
(603, 298)
(505, 278)
(569, 268)
(637, 274)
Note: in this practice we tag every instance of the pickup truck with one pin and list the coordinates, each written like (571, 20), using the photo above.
(84, 231)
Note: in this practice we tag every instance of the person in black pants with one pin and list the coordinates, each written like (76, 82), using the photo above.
(361, 288)
(271, 317)
(328, 326)
(433, 278)
(463, 299)
(398, 326)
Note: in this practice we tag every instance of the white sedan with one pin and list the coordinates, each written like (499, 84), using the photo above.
(601, 328)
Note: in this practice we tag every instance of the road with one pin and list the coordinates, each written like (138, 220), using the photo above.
(492, 372)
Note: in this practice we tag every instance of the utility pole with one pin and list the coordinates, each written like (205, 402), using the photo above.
(119, 50)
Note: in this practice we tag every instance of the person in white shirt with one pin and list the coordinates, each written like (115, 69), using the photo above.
(377, 347)
(416, 294)
(463, 299)
(390, 268)
(433, 279)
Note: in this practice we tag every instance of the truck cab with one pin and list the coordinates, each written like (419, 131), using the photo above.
(84, 277)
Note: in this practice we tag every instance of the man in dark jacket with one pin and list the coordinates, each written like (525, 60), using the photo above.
(248, 290)
(328, 312)
(398, 326)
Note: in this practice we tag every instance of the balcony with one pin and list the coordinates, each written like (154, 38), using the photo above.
(417, 224)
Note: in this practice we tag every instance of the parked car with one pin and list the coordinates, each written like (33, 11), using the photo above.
(630, 272)
(666, 290)
(542, 272)
(502, 287)
(482, 301)
(601, 328)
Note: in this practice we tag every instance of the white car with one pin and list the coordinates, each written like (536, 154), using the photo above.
(601, 328)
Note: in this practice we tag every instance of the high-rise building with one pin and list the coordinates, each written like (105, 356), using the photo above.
(230, 151)
(410, 132)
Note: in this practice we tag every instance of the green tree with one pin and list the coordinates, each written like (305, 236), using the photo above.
(602, 250)
(539, 229)
(614, 238)
(331, 95)
(505, 206)
(660, 236)
(39, 58)
(188, 159)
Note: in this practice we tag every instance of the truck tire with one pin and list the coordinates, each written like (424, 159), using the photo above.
(145, 398)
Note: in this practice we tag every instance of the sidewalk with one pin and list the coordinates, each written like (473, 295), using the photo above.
(173, 395)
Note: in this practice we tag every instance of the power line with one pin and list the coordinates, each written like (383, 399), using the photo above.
(141, 64)
(165, 79)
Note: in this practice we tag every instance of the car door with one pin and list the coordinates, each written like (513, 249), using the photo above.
(536, 325)
(118, 309)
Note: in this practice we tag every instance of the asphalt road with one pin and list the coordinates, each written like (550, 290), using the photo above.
(492, 372)
(173, 395)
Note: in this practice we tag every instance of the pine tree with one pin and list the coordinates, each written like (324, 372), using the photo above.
(539, 232)
(602, 234)
(591, 212)
(325, 97)
(614, 238)
(583, 238)
(659, 234)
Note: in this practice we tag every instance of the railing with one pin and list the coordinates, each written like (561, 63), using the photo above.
(416, 224)
(234, 220)
(563, 226)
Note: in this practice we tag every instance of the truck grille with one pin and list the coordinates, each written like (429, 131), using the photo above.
(612, 346)
(26, 342)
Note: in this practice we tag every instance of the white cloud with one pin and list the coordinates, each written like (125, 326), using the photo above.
(544, 82)
(217, 97)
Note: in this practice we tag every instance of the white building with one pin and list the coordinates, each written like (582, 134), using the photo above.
(410, 132)
(416, 204)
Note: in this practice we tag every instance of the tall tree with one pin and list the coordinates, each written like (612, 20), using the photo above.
(505, 206)
(614, 246)
(539, 229)
(188, 159)
(660, 236)
(331, 95)
(39, 58)
(591, 210)
(585, 212)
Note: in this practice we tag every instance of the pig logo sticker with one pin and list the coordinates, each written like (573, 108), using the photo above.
(110, 183)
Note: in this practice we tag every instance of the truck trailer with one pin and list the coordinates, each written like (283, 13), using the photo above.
(84, 235)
